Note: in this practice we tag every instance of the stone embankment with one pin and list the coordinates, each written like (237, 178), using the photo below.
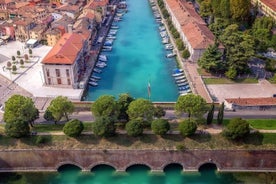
(156, 160)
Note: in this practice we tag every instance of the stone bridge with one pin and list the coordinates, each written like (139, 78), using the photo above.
(156, 160)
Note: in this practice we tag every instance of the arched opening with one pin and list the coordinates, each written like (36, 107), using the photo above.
(138, 168)
(173, 167)
(103, 168)
(208, 167)
(69, 167)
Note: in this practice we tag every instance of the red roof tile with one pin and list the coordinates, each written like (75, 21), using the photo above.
(66, 50)
(270, 3)
(252, 101)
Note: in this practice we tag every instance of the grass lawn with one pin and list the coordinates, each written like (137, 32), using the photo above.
(200, 141)
(261, 124)
(228, 81)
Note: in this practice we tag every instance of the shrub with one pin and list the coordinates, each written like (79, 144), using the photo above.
(134, 127)
(73, 128)
(41, 139)
(187, 127)
(237, 128)
(17, 128)
(48, 116)
(160, 126)
(104, 126)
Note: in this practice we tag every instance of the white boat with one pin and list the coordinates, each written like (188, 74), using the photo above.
(163, 34)
(171, 55)
(93, 80)
(165, 40)
(180, 77)
(101, 64)
(93, 83)
(113, 31)
(110, 37)
(169, 47)
(108, 43)
(181, 81)
(106, 48)
(95, 77)
(97, 70)
(102, 58)
(182, 84)
(177, 74)
(114, 27)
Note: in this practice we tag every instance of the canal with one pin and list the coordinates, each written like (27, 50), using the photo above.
(138, 59)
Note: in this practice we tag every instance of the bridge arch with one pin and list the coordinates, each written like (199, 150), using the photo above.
(95, 166)
(133, 165)
(211, 164)
(63, 165)
(172, 164)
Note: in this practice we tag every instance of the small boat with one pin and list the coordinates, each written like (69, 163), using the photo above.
(93, 80)
(165, 40)
(168, 47)
(162, 28)
(181, 81)
(180, 77)
(95, 77)
(110, 37)
(115, 27)
(182, 84)
(177, 74)
(171, 55)
(101, 65)
(93, 83)
(180, 88)
(113, 31)
(108, 43)
(106, 48)
(163, 34)
(102, 58)
(97, 70)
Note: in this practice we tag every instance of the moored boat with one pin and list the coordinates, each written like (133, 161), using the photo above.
(171, 55)
(97, 70)
(95, 77)
(177, 74)
(180, 77)
(93, 83)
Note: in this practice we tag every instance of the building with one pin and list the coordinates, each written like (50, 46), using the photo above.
(65, 64)
(98, 8)
(53, 35)
(250, 103)
(22, 29)
(267, 7)
(193, 30)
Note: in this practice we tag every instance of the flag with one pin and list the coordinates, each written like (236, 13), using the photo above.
(149, 89)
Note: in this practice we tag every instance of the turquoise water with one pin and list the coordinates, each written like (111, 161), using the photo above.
(137, 57)
(135, 175)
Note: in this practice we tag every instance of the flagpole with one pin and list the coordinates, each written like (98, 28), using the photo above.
(149, 90)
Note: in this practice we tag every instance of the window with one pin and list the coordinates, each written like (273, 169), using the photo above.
(69, 81)
(59, 80)
(57, 72)
(47, 73)
(67, 73)
(49, 81)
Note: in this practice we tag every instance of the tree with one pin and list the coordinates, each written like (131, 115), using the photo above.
(240, 9)
(237, 128)
(205, 8)
(187, 127)
(225, 9)
(17, 128)
(210, 115)
(18, 53)
(30, 52)
(211, 60)
(73, 128)
(160, 126)
(179, 44)
(26, 57)
(18, 107)
(9, 64)
(105, 105)
(61, 107)
(192, 104)
(48, 116)
(220, 114)
(13, 59)
(134, 127)
(159, 112)
(104, 126)
(123, 103)
(21, 62)
(186, 54)
(14, 68)
(141, 108)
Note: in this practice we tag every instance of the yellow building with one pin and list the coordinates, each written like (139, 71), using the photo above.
(53, 35)
(267, 7)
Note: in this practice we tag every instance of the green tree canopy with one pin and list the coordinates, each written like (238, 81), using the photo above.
(160, 126)
(187, 127)
(104, 126)
(17, 128)
(159, 112)
(134, 127)
(205, 8)
(141, 108)
(20, 107)
(73, 128)
(236, 129)
(48, 116)
(240, 9)
(105, 105)
(61, 107)
(211, 60)
(192, 104)
(123, 103)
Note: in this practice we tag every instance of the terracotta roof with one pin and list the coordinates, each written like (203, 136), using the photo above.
(252, 101)
(95, 3)
(66, 50)
(270, 3)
